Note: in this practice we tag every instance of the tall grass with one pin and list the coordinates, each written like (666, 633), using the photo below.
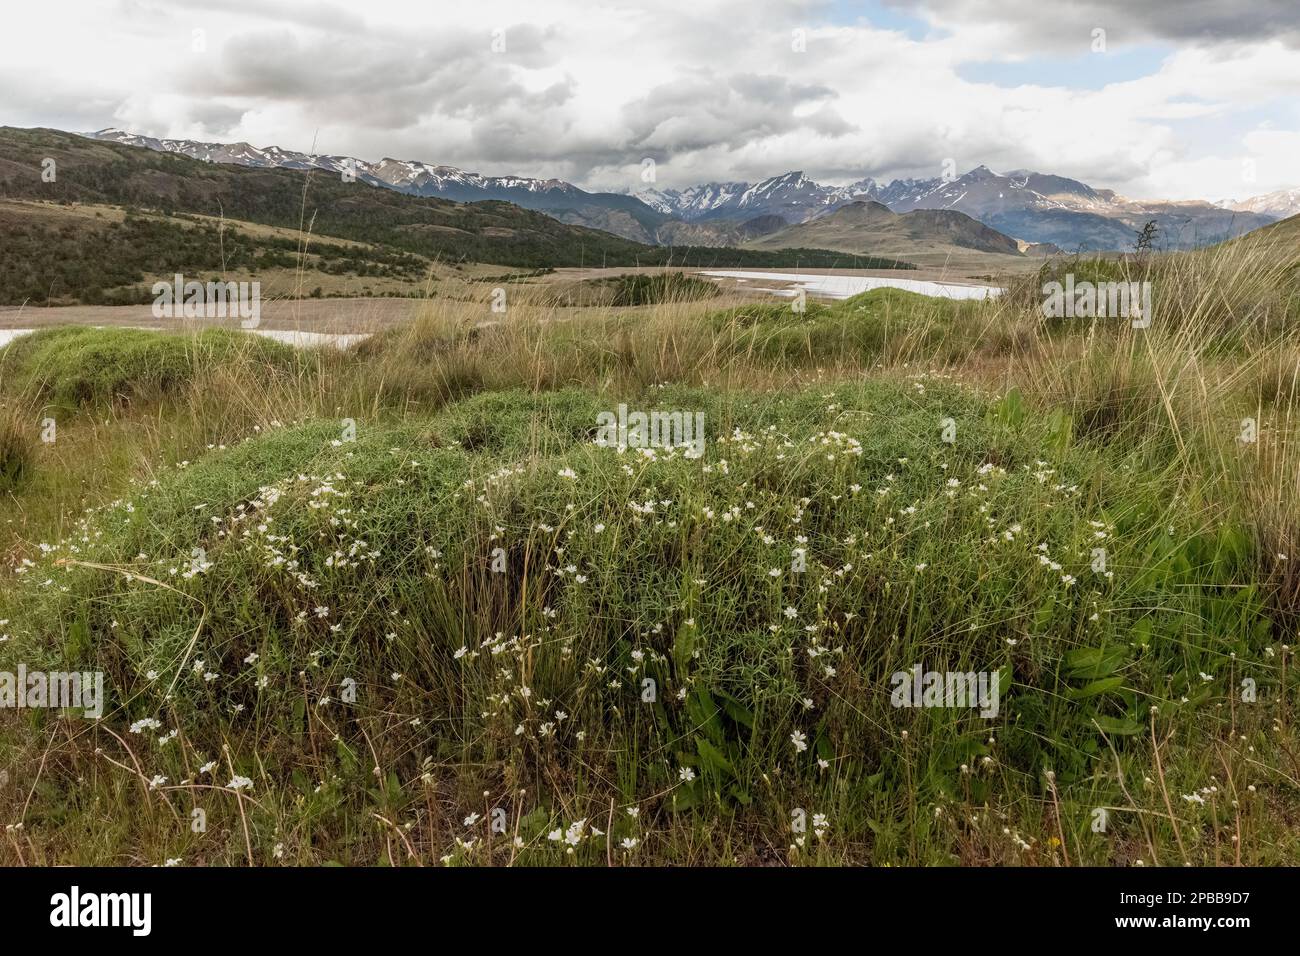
(402, 593)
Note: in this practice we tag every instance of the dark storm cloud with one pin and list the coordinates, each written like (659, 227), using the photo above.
(30, 100)
(285, 64)
(702, 110)
(1176, 21)
(375, 82)
(218, 119)
(212, 13)
(709, 90)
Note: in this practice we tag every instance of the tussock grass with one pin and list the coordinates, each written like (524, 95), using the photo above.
(79, 366)
(655, 289)
(16, 447)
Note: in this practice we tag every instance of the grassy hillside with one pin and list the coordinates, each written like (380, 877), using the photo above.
(360, 607)
(91, 171)
(925, 236)
(106, 255)
(1279, 242)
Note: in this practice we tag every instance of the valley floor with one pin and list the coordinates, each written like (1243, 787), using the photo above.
(370, 314)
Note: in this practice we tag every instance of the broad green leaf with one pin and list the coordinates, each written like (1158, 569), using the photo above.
(1118, 725)
(1102, 686)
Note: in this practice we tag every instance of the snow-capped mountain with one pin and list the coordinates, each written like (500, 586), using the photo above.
(406, 175)
(792, 196)
(1281, 204)
(1033, 207)
(242, 154)
(1028, 205)
(694, 202)
(618, 213)
(445, 181)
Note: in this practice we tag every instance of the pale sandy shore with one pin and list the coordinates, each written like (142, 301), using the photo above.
(845, 286)
(368, 315)
(314, 315)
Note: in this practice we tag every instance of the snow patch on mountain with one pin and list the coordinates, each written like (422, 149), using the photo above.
(1035, 207)
(1283, 204)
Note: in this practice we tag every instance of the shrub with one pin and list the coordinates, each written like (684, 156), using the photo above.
(16, 448)
(80, 366)
(470, 575)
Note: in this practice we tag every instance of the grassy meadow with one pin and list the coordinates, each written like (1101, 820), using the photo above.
(396, 605)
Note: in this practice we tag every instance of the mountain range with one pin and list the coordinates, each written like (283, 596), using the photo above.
(928, 237)
(1282, 204)
(1025, 205)
(618, 213)
(1033, 207)
(89, 221)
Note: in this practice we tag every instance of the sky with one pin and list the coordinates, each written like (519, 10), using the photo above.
(1172, 99)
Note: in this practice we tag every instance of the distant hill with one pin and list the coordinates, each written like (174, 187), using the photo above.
(924, 236)
(1281, 240)
(619, 213)
(100, 172)
(719, 232)
(1073, 215)
(105, 173)
(1034, 207)
(91, 254)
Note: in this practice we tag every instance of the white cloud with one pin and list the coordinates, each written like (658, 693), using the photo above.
(711, 89)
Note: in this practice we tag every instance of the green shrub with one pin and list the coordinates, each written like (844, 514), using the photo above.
(865, 328)
(16, 449)
(470, 575)
(659, 288)
(81, 366)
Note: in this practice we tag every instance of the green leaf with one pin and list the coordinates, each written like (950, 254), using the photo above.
(1105, 685)
(683, 798)
(737, 712)
(740, 795)
(1094, 662)
(713, 758)
(683, 646)
(1011, 409)
(1118, 725)
(704, 714)
(1060, 430)
(1043, 616)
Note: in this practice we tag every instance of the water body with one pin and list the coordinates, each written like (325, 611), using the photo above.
(307, 340)
(843, 287)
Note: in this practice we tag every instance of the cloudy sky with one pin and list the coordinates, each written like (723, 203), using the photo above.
(1156, 99)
